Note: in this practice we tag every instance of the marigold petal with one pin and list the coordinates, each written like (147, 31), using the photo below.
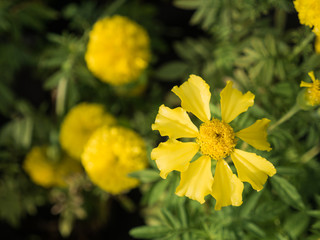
(305, 84)
(256, 135)
(311, 75)
(196, 181)
(226, 188)
(195, 97)
(173, 155)
(252, 168)
(174, 123)
(233, 102)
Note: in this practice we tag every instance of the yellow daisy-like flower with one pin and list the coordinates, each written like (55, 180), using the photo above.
(309, 13)
(78, 125)
(49, 173)
(110, 155)
(215, 139)
(313, 90)
(118, 50)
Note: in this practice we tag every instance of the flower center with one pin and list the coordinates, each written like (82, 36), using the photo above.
(216, 139)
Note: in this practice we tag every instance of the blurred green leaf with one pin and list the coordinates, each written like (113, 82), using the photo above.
(287, 192)
(146, 176)
(150, 232)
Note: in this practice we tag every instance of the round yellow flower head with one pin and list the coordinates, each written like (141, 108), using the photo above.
(309, 13)
(312, 94)
(214, 139)
(47, 172)
(110, 155)
(118, 50)
(78, 125)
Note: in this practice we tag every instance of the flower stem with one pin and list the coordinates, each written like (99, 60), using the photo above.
(301, 46)
(285, 117)
(310, 154)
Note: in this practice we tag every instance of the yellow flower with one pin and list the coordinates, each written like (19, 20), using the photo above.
(215, 139)
(118, 50)
(110, 155)
(47, 172)
(313, 90)
(78, 125)
(309, 13)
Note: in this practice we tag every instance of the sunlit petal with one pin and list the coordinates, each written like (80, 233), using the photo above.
(252, 168)
(226, 188)
(233, 102)
(256, 135)
(196, 181)
(195, 97)
(173, 155)
(174, 123)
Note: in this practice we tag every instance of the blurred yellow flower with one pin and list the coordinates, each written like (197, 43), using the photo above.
(78, 125)
(215, 139)
(313, 90)
(118, 50)
(309, 13)
(110, 155)
(47, 172)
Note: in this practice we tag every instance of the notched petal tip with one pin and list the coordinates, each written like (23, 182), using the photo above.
(233, 102)
(174, 123)
(256, 135)
(173, 155)
(196, 181)
(195, 97)
(252, 168)
(226, 188)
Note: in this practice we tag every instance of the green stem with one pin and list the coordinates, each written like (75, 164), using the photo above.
(61, 96)
(285, 117)
(280, 18)
(310, 154)
(301, 46)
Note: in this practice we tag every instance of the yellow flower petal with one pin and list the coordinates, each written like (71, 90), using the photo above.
(173, 155)
(174, 123)
(305, 84)
(196, 181)
(252, 168)
(256, 135)
(233, 102)
(226, 188)
(195, 97)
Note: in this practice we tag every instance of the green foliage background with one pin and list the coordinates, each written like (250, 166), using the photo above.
(260, 45)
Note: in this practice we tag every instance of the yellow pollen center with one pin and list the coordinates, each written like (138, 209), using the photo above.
(216, 139)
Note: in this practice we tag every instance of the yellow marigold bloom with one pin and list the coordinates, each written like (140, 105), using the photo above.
(313, 90)
(47, 172)
(309, 13)
(78, 125)
(214, 139)
(118, 50)
(110, 155)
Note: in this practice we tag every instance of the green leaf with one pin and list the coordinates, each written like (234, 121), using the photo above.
(287, 192)
(170, 219)
(250, 204)
(251, 227)
(149, 232)
(146, 176)
(296, 224)
(172, 70)
(157, 190)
